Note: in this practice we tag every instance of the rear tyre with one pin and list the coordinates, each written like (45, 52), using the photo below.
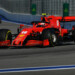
(0, 20)
(51, 36)
(73, 35)
(5, 34)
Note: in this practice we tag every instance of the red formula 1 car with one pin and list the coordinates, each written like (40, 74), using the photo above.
(47, 32)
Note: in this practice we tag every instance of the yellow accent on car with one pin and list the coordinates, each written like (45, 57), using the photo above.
(7, 35)
(21, 35)
(43, 13)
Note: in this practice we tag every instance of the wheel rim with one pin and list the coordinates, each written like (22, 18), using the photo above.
(54, 38)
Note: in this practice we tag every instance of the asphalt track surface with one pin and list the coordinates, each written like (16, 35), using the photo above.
(36, 56)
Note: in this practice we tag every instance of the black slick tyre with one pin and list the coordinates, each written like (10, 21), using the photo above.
(5, 34)
(73, 35)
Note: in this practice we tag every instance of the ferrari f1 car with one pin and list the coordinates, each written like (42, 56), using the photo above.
(47, 32)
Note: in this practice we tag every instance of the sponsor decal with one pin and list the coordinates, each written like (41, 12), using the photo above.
(21, 35)
(24, 32)
(57, 22)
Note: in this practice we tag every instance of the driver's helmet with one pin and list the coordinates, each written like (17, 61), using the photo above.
(41, 24)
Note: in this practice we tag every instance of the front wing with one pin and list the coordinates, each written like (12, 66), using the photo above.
(29, 43)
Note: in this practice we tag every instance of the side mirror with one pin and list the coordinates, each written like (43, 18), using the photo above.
(22, 25)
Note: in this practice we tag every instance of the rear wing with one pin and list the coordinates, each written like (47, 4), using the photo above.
(60, 18)
(67, 18)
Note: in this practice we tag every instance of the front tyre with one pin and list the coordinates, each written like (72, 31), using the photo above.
(5, 35)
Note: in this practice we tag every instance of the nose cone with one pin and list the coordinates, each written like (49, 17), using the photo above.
(21, 37)
(16, 42)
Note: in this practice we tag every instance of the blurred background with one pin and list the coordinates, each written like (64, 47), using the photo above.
(52, 7)
(25, 11)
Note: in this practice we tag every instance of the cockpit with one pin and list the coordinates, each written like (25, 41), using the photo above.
(40, 25)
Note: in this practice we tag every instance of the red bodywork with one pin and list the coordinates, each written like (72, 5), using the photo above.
(5, 43)
(50, 22)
